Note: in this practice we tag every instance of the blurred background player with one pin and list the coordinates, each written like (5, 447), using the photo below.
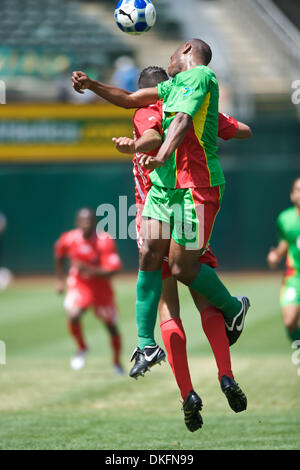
(288, 225)
(94, 259)
(148, 134)
(6, 276)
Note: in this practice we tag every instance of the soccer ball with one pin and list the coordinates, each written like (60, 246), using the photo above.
(135, 16)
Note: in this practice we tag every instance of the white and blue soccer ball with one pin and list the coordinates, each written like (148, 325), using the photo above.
(135, 16)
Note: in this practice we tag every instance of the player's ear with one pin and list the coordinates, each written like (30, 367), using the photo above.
(187, 48)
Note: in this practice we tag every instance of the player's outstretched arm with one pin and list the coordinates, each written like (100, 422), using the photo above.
(148, 142)
(60, 275)
(277, 254)
(176, 132)
(243, 131)
(118, 96)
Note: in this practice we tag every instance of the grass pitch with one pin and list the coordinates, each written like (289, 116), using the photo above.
(45, 405)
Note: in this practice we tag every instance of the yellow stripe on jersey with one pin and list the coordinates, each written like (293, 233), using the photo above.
(199, 121)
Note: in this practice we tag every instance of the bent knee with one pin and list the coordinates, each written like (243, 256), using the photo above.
(150, 256)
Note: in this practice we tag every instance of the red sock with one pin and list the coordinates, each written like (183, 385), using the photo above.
(174, 339)
(116, 345)
(214, 328)
(76, 331)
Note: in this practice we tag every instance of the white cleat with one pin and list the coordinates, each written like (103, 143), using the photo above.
(78, 361)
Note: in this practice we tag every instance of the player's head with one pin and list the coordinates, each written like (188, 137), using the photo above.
(295, 193)
(86, 221)
(150, 77)
(195, 51)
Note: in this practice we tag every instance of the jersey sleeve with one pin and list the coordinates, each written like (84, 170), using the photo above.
(61, 246)
(164, 88)
(227, 126)
(191, 93)
(146, 119)
(280, 229)
(109, 257)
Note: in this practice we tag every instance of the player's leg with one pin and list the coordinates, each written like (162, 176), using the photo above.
(174, 339)
(109, 316)
(76, 302)
(290, 306)
(149, 281)
(214, 328)
(291, 316)
(200, 208)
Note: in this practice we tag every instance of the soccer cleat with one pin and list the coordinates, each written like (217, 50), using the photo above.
(146, 358)
(77, 362)
(234, 326)
(236, 398)
(191, 407)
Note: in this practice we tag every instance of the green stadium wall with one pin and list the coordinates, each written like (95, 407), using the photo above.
(40, 200)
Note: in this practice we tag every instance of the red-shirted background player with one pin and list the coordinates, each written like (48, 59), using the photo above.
(147, 139)
(94, 259)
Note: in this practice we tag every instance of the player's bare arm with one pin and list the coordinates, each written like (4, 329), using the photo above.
(118, 96)
(60, 275)
(243, 131)
(176, 133)
(96, 271)
(277, 254)
(149, 141)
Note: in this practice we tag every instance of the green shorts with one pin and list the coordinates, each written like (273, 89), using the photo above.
(190, 212)
(290, 291)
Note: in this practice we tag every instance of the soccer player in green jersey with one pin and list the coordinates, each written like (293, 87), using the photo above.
(288, 224)
(188, 185)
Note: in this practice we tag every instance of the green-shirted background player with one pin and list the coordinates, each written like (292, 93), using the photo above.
(288, 224)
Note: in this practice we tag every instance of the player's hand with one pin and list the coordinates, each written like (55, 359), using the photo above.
(148, 162)
(273, 259)
(124, 144)
(81, 81)
(60, 286)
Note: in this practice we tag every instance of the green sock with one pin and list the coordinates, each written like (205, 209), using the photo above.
(211, 287)
(148, 292)
(293, 335)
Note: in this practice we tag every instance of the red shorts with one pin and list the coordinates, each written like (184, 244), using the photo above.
(83, 295)
(207, 258)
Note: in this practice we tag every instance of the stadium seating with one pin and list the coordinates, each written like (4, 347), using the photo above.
(57, 26)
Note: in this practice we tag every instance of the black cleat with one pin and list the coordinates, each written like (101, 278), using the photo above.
(191, 407)
(146, 358)
(236, 398)
(235, 325)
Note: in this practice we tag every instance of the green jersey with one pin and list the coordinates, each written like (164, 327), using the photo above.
(288, 224)
(195, 162)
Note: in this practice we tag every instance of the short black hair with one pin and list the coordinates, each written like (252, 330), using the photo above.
(202, 49)
(152, 76)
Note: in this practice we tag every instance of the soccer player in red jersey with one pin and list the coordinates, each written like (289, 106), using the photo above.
(147, 136)
(94, 259)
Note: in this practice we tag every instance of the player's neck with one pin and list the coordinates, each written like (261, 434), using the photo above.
(191, 62)
(297, 210)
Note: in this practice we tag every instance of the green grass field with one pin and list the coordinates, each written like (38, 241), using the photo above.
(45, 405)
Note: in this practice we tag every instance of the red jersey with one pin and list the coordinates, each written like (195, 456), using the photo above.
(150, 117)
(95, 251)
